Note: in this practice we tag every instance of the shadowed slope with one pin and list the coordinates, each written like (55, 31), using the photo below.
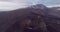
(9, 18)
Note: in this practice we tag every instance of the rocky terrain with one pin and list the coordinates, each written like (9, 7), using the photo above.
(36, 18)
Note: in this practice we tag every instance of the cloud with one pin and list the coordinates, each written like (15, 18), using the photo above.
(53, 6)
(11, 5)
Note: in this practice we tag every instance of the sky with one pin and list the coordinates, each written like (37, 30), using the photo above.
(32, 2)
(14, 4)
(11, 5)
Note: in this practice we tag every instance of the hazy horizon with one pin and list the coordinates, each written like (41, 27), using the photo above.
(14, 4)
